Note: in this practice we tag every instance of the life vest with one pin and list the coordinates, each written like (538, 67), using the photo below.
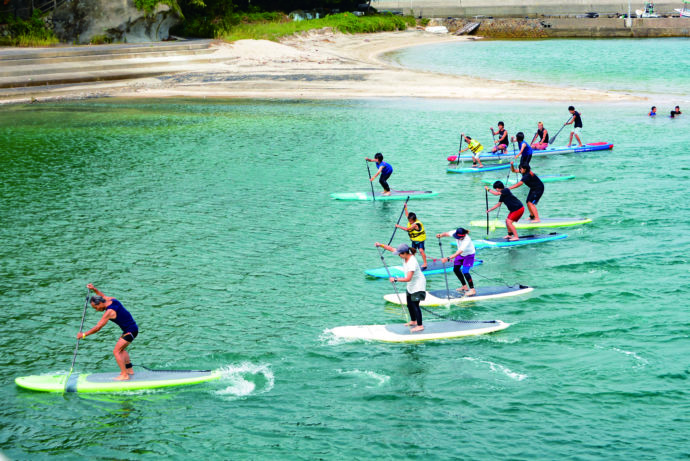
(417, 235)
(475, 147)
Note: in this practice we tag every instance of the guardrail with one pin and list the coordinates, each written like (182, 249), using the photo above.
(25, 11)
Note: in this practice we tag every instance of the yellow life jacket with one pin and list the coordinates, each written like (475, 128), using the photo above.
(417, 235)
(475, 146)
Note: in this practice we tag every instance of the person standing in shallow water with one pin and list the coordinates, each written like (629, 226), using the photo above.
(114, 310)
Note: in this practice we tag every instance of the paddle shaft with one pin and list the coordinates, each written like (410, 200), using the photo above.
(399, 218)
(445, 274)
(383, 260)
(551, 141)
(486, 194)
(83, 315)
(373, 196)
(459, 149)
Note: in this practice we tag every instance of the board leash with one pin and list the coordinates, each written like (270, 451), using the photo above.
(373, 195)
(399, 218)
(172, 371)
(445, 274)
(447, 317)
(383, 260)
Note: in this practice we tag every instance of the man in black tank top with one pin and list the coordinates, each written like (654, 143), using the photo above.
(576, 121)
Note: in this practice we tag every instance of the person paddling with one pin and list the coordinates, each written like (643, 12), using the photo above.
(475, 147)
(540, 141)
(384, 169)
(502, 143)
(652, 113)
(576, 121)
(115, 311)
(463, 258)
(417, 234)
(536, 189)
(416, 283)
(524, 150)
(515, 207)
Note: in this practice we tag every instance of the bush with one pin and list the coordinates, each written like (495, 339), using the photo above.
(29, 32)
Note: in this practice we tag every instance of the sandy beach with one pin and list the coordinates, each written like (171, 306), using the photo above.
(326, 65)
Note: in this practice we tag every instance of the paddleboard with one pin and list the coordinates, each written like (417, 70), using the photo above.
(543, 223)
(545, 178)
(477, 169)
(591, 147)
(105, 382)
(440, 297)
(399, 333)
(480, 244)
(433, 267)
(395, 195)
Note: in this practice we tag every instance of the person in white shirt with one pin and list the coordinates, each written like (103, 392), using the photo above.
(464, 258)
(416, 283)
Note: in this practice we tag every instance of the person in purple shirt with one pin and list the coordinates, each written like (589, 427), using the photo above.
(114, 310)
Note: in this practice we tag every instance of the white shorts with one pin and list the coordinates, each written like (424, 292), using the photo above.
(577, 131)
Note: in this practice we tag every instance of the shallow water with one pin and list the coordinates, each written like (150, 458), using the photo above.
(638, 66)
(211, 222)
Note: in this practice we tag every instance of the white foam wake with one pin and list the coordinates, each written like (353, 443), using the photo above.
(377, 377)
(245, 379)
(500, 368)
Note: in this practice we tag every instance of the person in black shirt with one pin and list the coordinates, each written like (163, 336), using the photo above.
(576, 120)
(514, 206)
(536, 189)
(501, 144)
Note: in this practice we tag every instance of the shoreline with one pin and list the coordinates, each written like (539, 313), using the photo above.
(322, 65)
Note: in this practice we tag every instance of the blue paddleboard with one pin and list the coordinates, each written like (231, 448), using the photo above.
(434, 267)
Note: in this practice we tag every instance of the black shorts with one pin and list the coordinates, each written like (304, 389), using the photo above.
(129, 337)
(418, 245)
(534, 196)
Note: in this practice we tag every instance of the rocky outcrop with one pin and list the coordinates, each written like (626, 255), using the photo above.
(79, 21)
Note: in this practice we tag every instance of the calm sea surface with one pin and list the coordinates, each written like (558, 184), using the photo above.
(639, 66)
(211, 221)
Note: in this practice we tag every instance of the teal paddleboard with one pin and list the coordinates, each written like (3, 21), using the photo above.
(478, 169)
(105, 382)
(480, 244)
(545, 178)
(543, 223)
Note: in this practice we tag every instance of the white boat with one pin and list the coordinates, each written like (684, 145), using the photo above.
(685, 11)
(648, 11)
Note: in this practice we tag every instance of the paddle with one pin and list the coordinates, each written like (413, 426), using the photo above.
(445, 274)
(399, 218)
(462, 135)
(76, 348)
(373, 196)
(486, 193)
(559, 131)
(389, 276)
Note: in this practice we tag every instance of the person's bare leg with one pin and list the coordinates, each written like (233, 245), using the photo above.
(533, 212)
(511, 229)
(120, 358)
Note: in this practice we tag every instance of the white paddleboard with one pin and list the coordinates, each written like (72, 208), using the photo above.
(440, 297)
(399, 333)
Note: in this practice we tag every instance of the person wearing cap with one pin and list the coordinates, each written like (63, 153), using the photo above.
(416, 232)
(515, 207)
(416, 283)
(384, 169)
(463, 258)
(114, 311)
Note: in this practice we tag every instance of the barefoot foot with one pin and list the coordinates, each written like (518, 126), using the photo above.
(472, 292)
(417, 328)
(124, 377)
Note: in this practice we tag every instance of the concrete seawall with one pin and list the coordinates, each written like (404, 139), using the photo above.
(573, 27)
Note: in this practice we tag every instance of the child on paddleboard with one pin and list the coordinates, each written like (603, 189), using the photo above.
(536, 189)
(501, 144)
(475, 147)
(576, 121)
(541, 137)
(524, 150)
(515, 207)
(114, 311)
(417, 234)
(652, 113)
(416, 283)
(463, 258)
(384, 169)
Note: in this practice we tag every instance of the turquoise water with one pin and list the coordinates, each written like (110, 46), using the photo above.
(211, 221)
(660, 66)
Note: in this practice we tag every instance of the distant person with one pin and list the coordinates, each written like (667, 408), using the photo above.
(501, 144)
(463, 259)
(524, 150)
(415, 230)
(576, 120)
(652, 113)
(536, 189)
(515, 208)
(384, 169)
(676, 111)
(540, 141)
(475, 147)
(114, 311)
(416, 283)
